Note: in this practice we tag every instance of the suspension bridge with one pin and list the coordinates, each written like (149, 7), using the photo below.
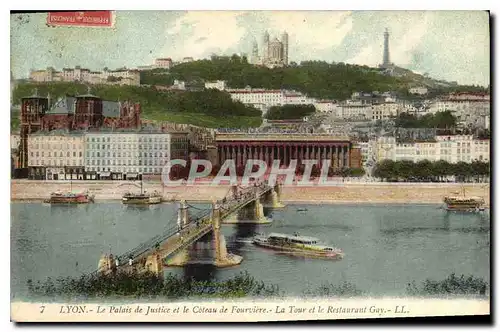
(171, 247)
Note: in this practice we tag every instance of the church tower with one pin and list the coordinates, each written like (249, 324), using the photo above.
(255, 53)
(284, 41)
(265, 47)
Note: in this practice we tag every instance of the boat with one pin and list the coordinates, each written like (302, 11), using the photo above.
(142, 198)
(60, 197)
(302, 210)
(463, 203)
(297, 244)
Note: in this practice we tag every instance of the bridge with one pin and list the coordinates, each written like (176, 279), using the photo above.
(171, 247)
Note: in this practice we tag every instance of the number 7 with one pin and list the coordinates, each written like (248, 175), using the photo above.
(42, 308)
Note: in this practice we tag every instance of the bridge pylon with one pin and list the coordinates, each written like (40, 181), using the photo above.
(273, 198)
(154, 264)
(222, 257)
(182, 214)
(105, 265)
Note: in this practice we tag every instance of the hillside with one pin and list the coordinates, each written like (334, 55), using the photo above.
(317, 79)
(207, 108)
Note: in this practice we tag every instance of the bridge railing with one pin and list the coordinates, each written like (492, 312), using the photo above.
(228, 205)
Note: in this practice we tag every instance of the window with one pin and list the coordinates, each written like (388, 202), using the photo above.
(74, 153)
(80, 154)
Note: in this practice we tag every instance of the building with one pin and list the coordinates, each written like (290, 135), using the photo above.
(241, 146)
(326, 106)
(354, 111)
(420, 90)
(274, 52)
(56, 155)
(471, 109)
(263, 99)
(15, 140)
(451, 148)
(218, 85)
(384, 111)
(165, 63)
(122, 76)
(70, 113)
(119, 155)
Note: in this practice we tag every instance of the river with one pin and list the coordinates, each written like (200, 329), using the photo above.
(386, 246)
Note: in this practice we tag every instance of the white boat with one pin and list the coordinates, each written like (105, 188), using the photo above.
(297, 244)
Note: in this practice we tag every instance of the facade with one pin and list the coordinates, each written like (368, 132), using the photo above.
(421, 90)
(219, 85)
(469, 108)
(354, 111)
(72, 113)
(15, 140)
(165, 63)
(452, 148)
(121, 155)
(179, 145)
(263, 99)
(56, 155)
(385, 111)
(326, 106)
(284, 146)
(274, 52)
(121, 76)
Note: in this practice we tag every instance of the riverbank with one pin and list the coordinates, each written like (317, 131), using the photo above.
(371, 192)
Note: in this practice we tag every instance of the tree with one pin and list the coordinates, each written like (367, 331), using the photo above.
(356, 172)
(440, 169)
(289, 112)
(423, 170)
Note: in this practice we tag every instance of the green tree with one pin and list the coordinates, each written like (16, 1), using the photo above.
(289, 112)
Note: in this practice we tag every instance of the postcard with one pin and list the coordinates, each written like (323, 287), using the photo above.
(249, 166)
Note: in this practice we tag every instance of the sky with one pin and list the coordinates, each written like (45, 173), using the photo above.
(449, 45)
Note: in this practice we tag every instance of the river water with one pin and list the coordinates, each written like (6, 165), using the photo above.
(386, 246)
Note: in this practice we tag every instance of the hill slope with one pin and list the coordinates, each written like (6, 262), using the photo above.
(202, 108)
(317, 79)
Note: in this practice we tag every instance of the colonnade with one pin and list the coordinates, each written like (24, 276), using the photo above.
(338, 153)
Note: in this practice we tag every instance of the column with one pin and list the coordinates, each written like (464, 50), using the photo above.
(285, 155)
(244, 156)
(238, 155)
(341, 157)
(271, 154)
(222, 155)
(334, 157)
(348, 156)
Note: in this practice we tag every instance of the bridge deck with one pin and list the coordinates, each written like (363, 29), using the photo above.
(173, 240)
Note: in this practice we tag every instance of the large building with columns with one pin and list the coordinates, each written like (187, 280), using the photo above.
(241, 146)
